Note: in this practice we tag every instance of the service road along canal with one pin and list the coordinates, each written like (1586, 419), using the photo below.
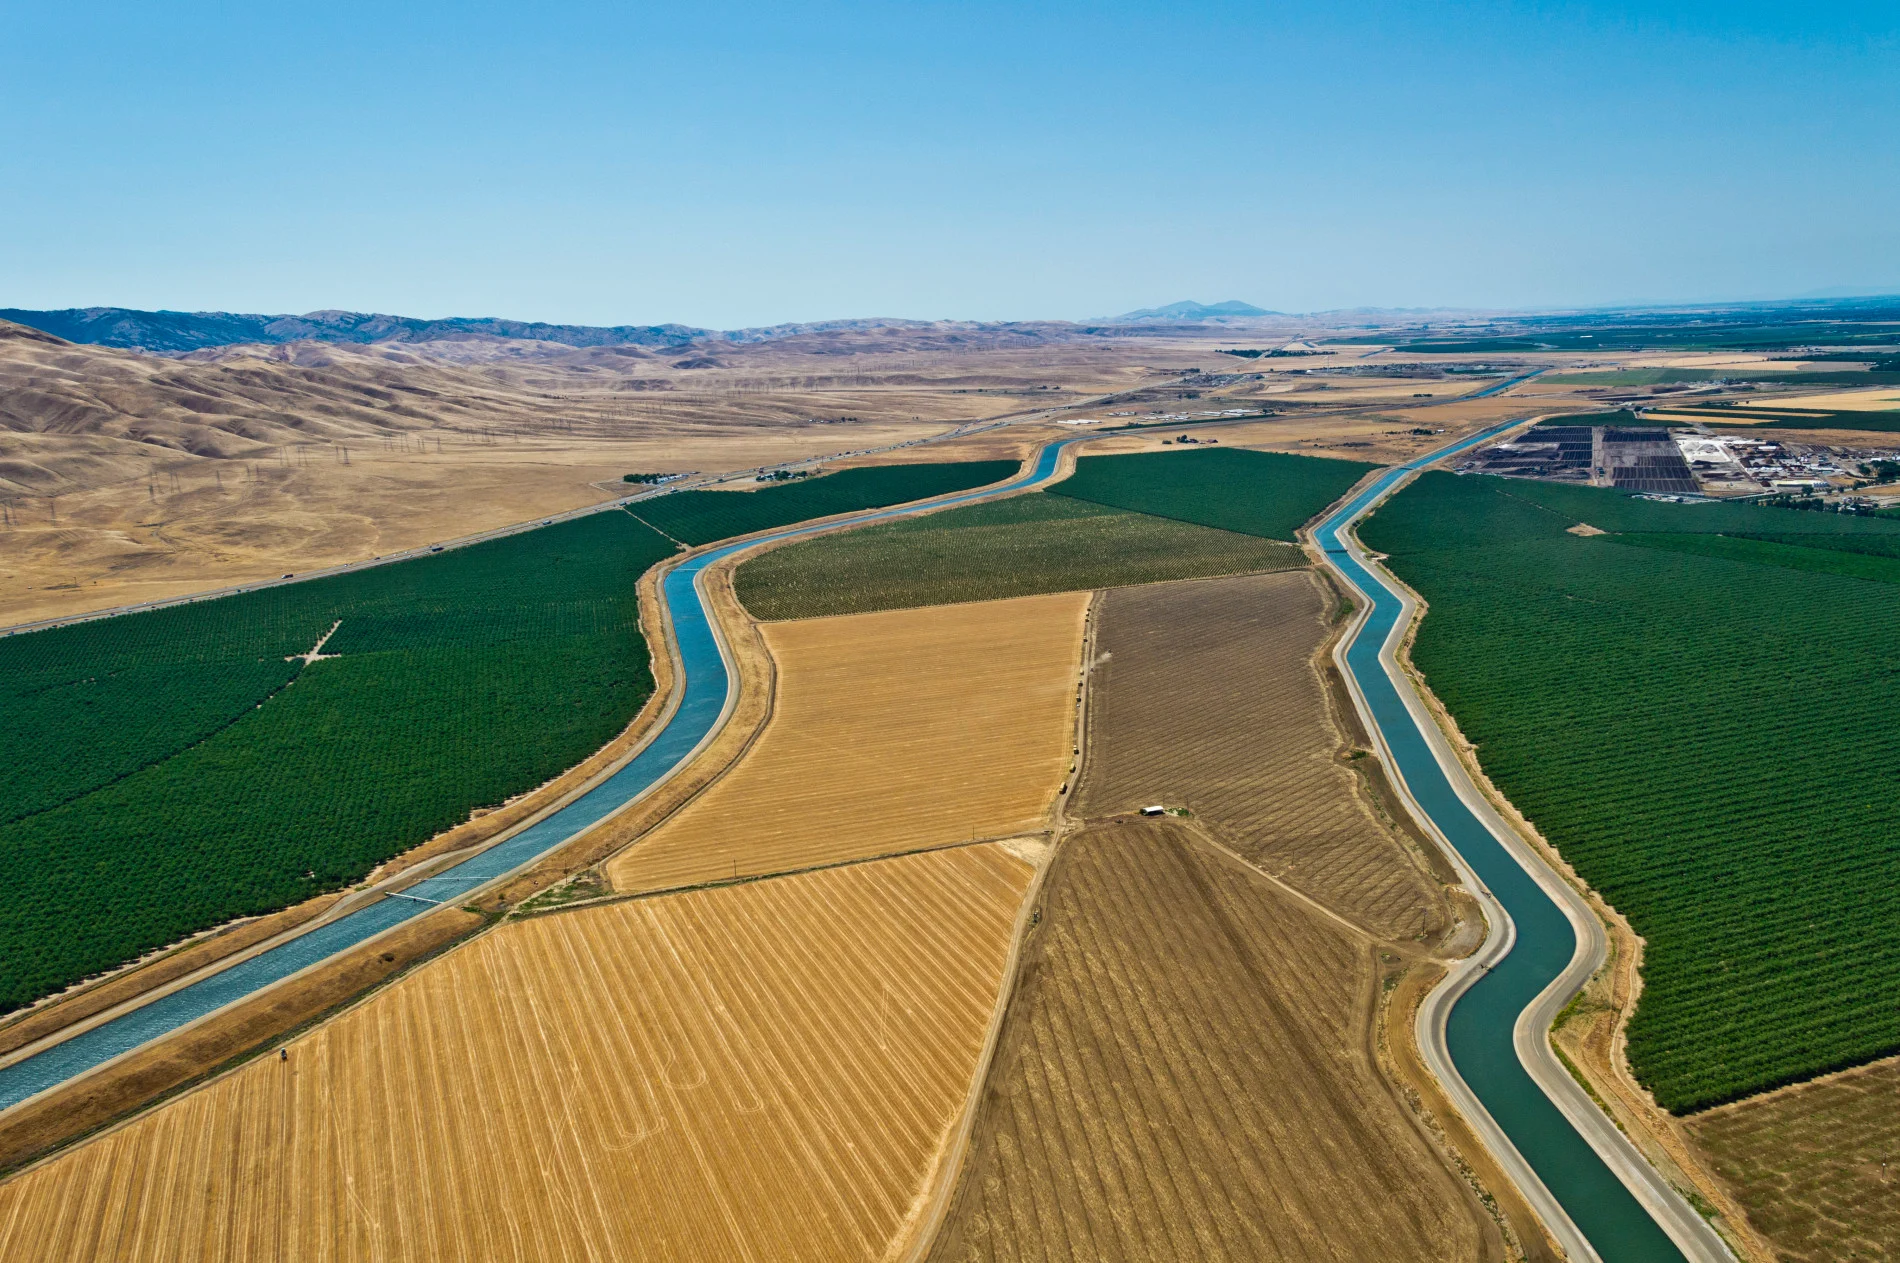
(1483, 1031)
(697, 714)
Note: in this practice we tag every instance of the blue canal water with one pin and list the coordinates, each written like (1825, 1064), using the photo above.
(1479, 1031)
(704, 672)
(1480, 1026)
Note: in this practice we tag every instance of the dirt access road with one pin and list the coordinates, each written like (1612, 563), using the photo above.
(1590, 1185)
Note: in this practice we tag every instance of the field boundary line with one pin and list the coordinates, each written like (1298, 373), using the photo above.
(1206, 837)
(1693, 1235)
(752, 879)
(947, 1173)
(656, 577)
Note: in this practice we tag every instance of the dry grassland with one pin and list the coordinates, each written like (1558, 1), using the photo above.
(129, 477)
(1187, 1073)
(1887, 400)
(763, 1072)
(212, 524)
(1008, 442)
(1205, 694)
(889, 732)
(1383, 438)
(1816, 1166)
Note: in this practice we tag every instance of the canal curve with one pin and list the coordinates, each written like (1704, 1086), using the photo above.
(1588, 1198)
(707, 681)
(1501, 1072)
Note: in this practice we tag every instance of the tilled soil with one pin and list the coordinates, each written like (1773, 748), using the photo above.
(1186, 1074)
(1817, 1167)
(1189, 1066)
(1205, 695)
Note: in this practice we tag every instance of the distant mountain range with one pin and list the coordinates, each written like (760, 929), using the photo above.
(192, 331)
(1232, 309)
(175, 332)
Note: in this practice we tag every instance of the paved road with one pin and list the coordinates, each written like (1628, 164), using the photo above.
(1484, 1030)
(423, 550)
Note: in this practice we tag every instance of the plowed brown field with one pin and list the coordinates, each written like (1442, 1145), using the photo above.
(1187, 1073)
(767, 1071)
(1190, 1066)
(890, 732)
(1817, 1167)
(1209, 698)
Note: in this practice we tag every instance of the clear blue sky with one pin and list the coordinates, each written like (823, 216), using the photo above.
(736, 164)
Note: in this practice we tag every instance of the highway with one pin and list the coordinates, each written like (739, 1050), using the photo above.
(1484, 1030)
(688, 483)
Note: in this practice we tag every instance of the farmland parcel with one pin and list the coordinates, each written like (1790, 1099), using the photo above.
(1029, 543)
(766, 1071)
(167, 771)
(1187, 1068)
(700, 517)
(1119, 520)
(1707, 739)
(1815, 1165)
(1186, 1073)
(889, 732)
(1270, 494)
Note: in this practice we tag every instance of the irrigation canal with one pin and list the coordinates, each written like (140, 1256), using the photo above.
(704, 699)
(1480, 1029)
(1479, 1034)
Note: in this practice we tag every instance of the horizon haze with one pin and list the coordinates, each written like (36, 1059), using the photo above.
(741, 166)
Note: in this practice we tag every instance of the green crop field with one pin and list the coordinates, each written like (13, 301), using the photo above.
(1015, 547)
(1709, 739)
(1877, 422)
(700, 517)
(1230, 488)
(1791, 553)
(1472, 346)
(163, 772)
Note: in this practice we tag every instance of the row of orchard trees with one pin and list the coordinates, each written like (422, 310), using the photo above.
(168, 771)
(1709, 741)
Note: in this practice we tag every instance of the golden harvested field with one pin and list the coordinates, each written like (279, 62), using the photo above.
(1210, 698)
(1187, 1072)
(1189, 1067)
(1887, 400)
(889, 732)
(763, 1072)
(1817, 1167)
(1358, 435)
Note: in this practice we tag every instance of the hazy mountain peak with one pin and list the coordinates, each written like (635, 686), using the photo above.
(1233, 308)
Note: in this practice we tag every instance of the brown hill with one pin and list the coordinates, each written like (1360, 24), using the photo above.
(127, 476)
